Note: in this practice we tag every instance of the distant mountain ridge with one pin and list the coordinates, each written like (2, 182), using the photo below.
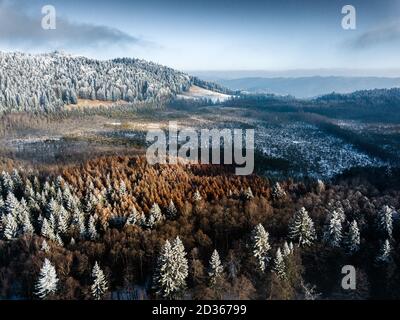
(45, 82)
(308, 87)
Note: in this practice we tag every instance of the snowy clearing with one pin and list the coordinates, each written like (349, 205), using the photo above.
(196, 92)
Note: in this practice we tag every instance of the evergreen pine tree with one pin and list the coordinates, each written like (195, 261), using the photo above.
(155, 214)
(197, 196)
(261, 246)
(385, 221)
(47, 282)
(384, 253)
(47, 230)
(277, 191)
(9, 226)
(171, 211)
(333, 230)
(286, 249)
(99, 286)
(279, 264)
(45, 247)
(248, 194)
(215, 269)
(172, 270)
(92, 231)
(353, 238)
(301, 228)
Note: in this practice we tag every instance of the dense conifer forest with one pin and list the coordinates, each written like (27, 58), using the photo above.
(117, 228)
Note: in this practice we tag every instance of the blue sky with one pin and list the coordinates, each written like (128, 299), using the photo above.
(212, 35)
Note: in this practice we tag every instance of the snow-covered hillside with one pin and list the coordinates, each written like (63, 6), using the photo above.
(50, 81)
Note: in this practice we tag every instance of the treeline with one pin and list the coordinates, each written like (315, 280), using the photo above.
(100, 230)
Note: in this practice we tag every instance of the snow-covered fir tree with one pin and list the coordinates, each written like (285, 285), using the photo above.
(320, 186)
(47, 230)
(91, 229)
(155, 215)
(182, 269)
(260, 239)
(353, 238)
(9, 226)
(385, 221)
(172, 270)
(248, 194)
(333, 230)
(133, 218)
(301, 228)
(78, 221)
(286, 249)
(45, 247)
(279, 264)
(48, 281)
(122, 188)
(384, 253)
(215, 269)
(11, 204)
(277, 191)
(27, 227)
(171, 211)
(99, 286)
(291, 247)
(197, 196)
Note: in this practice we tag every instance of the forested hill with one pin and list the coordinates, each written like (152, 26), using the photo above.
(375, 96)
(48, 82)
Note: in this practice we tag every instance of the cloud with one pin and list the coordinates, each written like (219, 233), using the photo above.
(387, 34)
(18, 28)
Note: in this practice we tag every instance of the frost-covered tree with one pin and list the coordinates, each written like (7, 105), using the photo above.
(277, 191)
(279, 264)
(164, 278)
(6, 183)
(181, 261)
(384, 253)
(301, 228)
(291, 247)
(27, 227)
(320, 186)
(353, 238)
(333, 230)
(62, 220)
(197, 196)
(47, 230)
(385, 221)
(9, 226)
(215, 269)
(92, 231)
(248, 194)
(172, 270)
(122, 188)
(133, 218)
(78, 220)
(45, 247)
(155, 215)
(99, 286)
(260, 239)
(171, 211)
(286, 249)
(11, 204)
(47, 282)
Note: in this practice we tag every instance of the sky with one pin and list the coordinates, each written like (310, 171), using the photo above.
(212, 34)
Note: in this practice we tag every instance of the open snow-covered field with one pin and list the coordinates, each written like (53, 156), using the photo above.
(196, 92)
